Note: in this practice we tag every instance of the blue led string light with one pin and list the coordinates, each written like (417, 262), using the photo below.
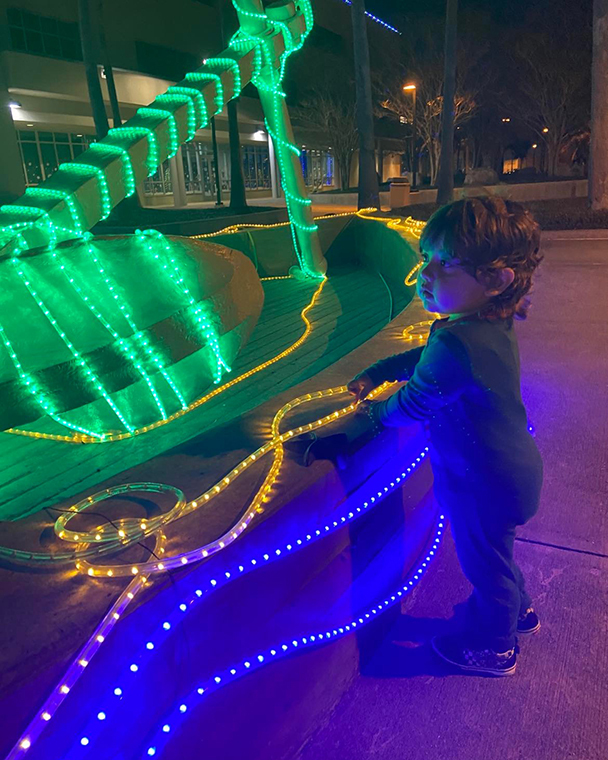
(112, 540)
(283, 649)
(110, 704)
(376, 19)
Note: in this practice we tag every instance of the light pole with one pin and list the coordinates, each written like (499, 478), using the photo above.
(412, 88)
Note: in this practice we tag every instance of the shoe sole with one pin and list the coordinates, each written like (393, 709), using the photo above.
(529, 631)
(472, 669)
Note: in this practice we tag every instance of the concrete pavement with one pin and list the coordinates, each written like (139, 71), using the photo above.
(406, 704)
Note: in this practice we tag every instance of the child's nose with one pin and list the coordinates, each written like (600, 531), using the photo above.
(424, 273)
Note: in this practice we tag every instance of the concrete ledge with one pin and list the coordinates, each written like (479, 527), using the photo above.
(531, 191)
(201, 226)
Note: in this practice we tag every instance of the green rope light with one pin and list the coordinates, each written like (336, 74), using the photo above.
(66, 196)
(90, 170)
(33, 222)
(268, 80)
(201, 76)
(123, 345)
(137, 334)
(180, 100)
(196, 96)
(232, 66)
(130, 134)
(117, 150)
(81, 361)
(169, 116)
(203, 323)
(35, 390)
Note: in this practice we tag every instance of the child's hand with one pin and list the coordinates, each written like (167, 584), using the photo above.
(361, 386)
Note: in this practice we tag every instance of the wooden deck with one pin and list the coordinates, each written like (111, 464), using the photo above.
(352, 307)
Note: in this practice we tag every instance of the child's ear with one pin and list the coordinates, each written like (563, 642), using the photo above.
(497, 281)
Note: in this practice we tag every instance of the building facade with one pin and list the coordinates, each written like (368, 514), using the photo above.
(45, 113)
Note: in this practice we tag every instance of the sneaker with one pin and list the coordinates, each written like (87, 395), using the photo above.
(454, 649)
(528, 623)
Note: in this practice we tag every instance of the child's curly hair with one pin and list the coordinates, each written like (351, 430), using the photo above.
(486, 235)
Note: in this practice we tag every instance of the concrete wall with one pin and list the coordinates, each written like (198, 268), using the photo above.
(533, 191)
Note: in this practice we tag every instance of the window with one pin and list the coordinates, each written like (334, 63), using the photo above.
(43, 152)
(256, 167)
(42, 35)
(199, 170)
(164, 62)
(160, 182)
(317, 168)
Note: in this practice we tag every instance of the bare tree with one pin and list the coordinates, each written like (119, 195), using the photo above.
(430, 103)
(332, 115)
(552, 83)
(598, 175)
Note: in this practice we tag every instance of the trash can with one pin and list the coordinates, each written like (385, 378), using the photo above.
(399, 192)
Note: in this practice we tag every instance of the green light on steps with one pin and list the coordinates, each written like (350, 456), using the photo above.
(86, 369)
(202, 322)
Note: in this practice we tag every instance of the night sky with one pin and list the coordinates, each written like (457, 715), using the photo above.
(394, 10)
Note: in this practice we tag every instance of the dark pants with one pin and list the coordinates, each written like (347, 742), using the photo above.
(485, 552)
(484, 534)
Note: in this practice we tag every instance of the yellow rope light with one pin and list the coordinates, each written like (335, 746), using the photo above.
(123, 533)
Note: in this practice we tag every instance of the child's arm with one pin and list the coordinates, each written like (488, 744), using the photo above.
(439, 379)
(393, 368)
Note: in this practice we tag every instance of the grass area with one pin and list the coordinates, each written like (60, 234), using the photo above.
(562, 214)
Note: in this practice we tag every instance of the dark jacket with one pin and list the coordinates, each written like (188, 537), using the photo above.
(465, 384)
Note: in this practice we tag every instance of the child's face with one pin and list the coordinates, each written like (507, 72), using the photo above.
(446, 286)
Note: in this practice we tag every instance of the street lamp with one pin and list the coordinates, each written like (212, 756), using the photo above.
(412, 88)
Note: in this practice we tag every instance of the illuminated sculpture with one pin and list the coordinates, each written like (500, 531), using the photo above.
(83, 321)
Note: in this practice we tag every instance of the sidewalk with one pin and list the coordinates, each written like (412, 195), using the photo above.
(406, 705)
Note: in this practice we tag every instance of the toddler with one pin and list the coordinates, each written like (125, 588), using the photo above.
(478, 258)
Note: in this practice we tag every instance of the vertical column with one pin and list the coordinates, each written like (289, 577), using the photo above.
(180, 199)
(274, 185)
(12, 179)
